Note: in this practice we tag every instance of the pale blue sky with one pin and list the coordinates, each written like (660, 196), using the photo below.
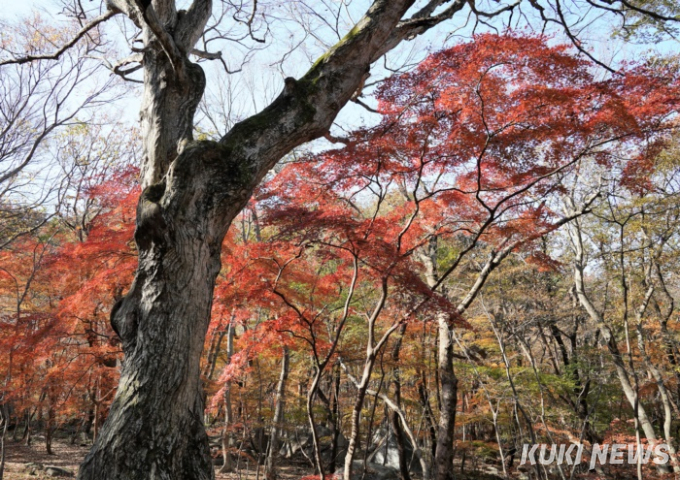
(261, 80)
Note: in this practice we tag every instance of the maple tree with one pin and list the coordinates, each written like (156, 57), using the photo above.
(474, 157)
(60, 352)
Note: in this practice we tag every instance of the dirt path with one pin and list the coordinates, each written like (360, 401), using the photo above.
(68, 457)
(19, 455)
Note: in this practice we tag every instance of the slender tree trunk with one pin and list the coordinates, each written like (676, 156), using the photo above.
(27, 433)
(228, 413)
(580, 391)
(209, 370)
(95, 423)
(96, 410)
(393, 417)
(424, 398)
(355, 421)
(373, 348)
(335, 416)
(393, 406)
(447, 380)
(449, 399)
(4, 424)
(311, 393)
(270, 465)
(629, 391)
(15, 433)
(49, 426)
(26, 437)
(668, 406)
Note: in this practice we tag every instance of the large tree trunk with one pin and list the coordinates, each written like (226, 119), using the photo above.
(155, 426)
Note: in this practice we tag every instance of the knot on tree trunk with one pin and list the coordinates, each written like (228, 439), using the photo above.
(124, 321)
(151, 225)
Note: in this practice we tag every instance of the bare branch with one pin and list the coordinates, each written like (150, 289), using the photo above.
(53, 56)
(207, 55)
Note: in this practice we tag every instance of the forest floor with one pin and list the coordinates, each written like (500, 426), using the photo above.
(20, 457)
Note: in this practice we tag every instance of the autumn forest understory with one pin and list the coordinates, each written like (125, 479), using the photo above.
(496, 258)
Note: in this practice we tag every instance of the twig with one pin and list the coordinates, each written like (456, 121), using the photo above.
(53, 56)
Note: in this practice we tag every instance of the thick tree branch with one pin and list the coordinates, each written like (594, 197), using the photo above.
(166, 41)
(134, 58)
(307, 107)
(191, 24)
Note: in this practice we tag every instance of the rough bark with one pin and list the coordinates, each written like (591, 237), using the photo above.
(155, 425)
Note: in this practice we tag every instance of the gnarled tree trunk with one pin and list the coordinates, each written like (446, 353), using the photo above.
(191, 193)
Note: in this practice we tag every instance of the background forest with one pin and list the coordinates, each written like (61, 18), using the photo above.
(496, 255)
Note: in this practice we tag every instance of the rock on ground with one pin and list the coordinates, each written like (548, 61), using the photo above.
(373, 472)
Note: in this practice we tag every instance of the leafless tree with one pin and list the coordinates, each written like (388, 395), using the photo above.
(38, 99)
